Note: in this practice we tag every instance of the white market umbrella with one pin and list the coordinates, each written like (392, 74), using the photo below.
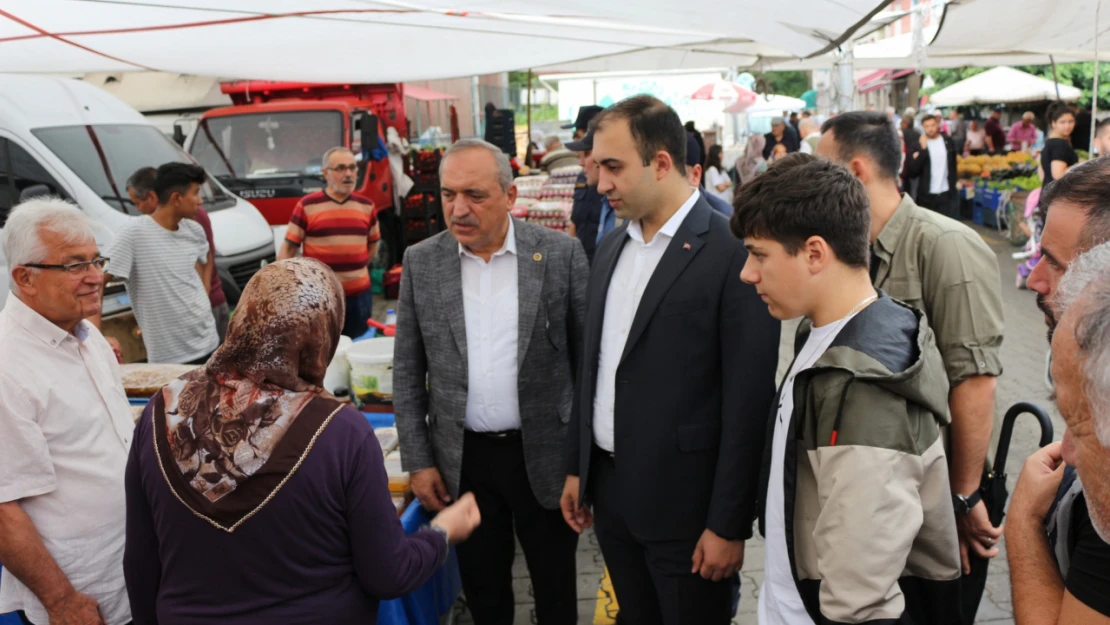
(1002, 85)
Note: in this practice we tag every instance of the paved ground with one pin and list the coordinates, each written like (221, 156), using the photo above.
(1023, 356)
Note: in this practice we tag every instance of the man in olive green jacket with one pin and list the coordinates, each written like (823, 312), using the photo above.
(855, 510)
(943, 268)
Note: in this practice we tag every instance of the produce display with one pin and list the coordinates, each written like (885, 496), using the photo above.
(998, 167)
(547, 200)
(1020, 183)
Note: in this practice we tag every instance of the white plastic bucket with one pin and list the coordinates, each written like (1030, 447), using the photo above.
(371, 371)
(338, 375)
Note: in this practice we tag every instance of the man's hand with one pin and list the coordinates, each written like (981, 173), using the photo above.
(924, 141)
(459, 519)
(117, 349)
(577, 516)
(977, 536)
(427, 485)
(74, 609)
(1037, 485)
(716, 558)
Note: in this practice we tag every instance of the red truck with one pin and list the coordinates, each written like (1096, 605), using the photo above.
(267, 147)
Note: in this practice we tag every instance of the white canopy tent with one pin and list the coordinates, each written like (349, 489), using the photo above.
(1002, 85)
(984, 33)
(1064, 30)
(393, 40)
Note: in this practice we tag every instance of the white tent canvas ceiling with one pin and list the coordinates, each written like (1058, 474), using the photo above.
(986, 33)
(1002, 85)
(392, 41)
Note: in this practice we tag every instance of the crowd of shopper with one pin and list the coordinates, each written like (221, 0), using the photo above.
(620, 379)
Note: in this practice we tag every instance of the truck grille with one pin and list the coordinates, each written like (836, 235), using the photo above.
(244, 271)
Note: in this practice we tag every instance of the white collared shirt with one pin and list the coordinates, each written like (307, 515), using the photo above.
(635, 266)
(65, 432)
(491, 307)
(938, 158)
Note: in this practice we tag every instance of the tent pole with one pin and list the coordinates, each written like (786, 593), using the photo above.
(1094, 93)
(529, 150)
(1055, 80)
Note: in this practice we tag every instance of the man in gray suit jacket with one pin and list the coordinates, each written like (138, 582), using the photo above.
(488, 329)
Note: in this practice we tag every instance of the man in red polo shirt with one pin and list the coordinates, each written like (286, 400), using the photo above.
(339, 228)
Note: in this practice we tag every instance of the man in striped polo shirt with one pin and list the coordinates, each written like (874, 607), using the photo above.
(339, 228)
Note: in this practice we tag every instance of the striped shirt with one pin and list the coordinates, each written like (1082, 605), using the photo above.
(337, 234)
(170, 303)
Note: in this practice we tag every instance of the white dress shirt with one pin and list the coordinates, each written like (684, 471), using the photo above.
(65, 432)
(938, 158)
(635, 266)
(491, 309)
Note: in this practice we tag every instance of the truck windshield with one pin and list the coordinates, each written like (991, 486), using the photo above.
(255, 146)
(105, 156)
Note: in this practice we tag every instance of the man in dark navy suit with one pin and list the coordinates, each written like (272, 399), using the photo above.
(590, 218)
(675, 385)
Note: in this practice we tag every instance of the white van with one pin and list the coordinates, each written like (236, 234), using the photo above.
(82, 143)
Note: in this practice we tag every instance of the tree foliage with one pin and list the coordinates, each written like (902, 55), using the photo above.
(792, 83)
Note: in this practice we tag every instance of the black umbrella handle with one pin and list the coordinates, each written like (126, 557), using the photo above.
(1008, 431)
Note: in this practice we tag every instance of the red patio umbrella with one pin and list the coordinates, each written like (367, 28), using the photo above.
(727, 91)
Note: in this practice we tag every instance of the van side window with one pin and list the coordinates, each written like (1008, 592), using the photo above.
(20, 171)
(8, 194)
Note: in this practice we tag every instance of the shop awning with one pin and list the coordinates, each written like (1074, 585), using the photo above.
(427, 95)
(315, 40)
(873, 81)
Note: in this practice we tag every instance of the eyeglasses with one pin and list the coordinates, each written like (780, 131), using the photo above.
(345, 168)
(75, 269)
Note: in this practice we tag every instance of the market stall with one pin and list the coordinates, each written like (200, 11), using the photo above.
(989, 184)
(547, 199)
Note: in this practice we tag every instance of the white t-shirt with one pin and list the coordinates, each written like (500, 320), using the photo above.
(167, 295)
(714, 177)
(779, 601)
(938, 158)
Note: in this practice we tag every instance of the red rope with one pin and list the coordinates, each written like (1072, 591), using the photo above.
(45, 33)
(221, 22)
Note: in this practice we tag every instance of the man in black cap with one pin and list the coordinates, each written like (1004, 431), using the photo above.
(581, 125)
(695, 167)
(591, 217)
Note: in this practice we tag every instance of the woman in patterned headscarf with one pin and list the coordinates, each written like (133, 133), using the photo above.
(255, 496)
(752, 163)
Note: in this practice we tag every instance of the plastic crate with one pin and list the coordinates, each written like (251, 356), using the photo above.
(977, 212)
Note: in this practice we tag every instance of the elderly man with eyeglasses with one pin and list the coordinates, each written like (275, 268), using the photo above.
(65, 427)
(339, 228)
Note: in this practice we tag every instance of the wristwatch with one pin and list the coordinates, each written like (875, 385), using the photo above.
(963, 505)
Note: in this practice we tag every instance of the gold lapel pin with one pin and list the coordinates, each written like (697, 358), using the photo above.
(686, 246)
(537, 257)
